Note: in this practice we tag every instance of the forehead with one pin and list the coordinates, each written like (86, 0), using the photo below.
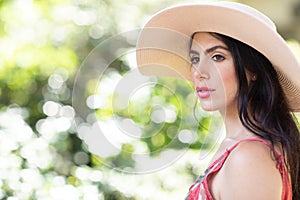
(205, 40)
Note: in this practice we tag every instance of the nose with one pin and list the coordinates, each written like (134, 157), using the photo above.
(199, 74)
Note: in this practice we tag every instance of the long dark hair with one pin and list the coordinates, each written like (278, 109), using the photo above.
(263, 108)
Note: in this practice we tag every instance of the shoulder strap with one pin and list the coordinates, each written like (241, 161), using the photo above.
(248, 140)
(277, 154)
(224, 156)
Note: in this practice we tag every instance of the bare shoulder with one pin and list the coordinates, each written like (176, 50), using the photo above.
(251, 153)
(250, 173)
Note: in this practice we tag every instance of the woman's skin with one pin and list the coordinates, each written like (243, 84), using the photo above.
(249, 171)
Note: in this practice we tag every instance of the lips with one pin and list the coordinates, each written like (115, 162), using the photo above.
(204, 92)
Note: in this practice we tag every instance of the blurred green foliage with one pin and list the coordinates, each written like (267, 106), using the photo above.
(42, 45)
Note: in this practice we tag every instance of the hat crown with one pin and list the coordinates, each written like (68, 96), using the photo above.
(249, 11)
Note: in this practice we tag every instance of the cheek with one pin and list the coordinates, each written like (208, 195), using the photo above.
(227, 74)
(229, 81)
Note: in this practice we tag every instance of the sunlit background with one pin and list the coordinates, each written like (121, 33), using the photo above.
(43, 134)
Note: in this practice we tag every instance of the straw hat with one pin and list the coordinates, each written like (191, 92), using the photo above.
(163, 44)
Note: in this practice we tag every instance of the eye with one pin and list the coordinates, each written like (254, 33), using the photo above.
(195, 60)
(218, 58)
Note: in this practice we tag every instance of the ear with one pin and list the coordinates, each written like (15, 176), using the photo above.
(251, 76)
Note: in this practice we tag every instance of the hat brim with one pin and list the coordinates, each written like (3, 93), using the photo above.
(164, 41)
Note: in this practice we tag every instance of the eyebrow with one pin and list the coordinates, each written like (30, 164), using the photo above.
(207, 51)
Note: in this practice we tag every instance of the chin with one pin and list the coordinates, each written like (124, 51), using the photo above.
(208, 105)
(208, 108)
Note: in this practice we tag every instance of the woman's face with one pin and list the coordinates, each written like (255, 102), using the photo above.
(213, 73)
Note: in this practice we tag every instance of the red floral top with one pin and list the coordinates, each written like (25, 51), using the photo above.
(200, 190)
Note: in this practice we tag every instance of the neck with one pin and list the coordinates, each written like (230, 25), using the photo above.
(233, 126)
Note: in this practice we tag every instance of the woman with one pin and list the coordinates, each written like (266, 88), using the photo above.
(241, 67)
